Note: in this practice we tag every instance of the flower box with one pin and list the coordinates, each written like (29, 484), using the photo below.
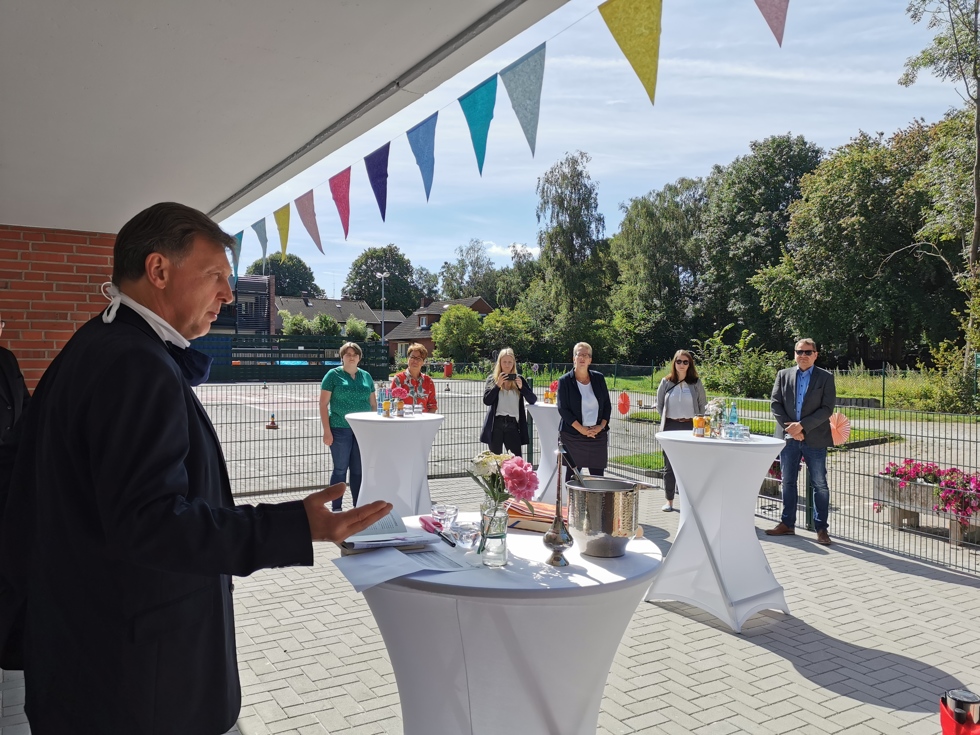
(906, 503)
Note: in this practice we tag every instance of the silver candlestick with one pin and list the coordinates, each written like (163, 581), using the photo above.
(558, 539)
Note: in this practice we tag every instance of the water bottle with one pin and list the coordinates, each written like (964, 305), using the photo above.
(380, 399)
(733, 414)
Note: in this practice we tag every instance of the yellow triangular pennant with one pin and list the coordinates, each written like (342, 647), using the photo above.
(635, 24)
(282, 224)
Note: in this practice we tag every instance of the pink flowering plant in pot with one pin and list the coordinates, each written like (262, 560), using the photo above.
(502, 477)
(956, 492)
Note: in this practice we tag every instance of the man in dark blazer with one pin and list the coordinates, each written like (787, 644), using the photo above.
(14, 395)
(803, 400)
(14, 398)
(122, 532)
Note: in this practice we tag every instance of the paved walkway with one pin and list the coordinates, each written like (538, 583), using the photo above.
(872, 642)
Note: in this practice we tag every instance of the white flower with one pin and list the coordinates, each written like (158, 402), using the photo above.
(486, 463)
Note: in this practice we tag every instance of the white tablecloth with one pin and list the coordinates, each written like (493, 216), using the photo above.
(546, 420)
(395, 456)
(716, 561)
(523, 649)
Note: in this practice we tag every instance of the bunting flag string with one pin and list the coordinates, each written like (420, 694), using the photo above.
(523, 80)
(259, 228)
(377, 170)
(774, 11)
(422, 139)
(477, 107)
(282, 223)
(340, 191)
(635, 24)
(236, 254)
(307, 215)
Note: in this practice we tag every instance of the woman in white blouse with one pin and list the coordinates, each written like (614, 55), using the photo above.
(680, 397)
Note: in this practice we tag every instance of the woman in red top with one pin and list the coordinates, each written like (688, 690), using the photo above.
(415, 382)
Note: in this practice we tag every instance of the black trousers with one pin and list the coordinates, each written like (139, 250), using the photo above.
(505, 433)
(670, 482)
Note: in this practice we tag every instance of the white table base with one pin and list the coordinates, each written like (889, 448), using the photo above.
(546, 422)
(395, 458)
(716, 562)
(528, 653)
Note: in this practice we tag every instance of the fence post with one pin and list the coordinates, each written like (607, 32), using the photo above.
(530, 438)
(883, 384)
(653, 369)
(615, 373)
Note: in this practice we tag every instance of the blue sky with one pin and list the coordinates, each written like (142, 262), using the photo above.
(723, 82)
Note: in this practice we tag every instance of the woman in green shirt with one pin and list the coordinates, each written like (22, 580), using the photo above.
(345, 389)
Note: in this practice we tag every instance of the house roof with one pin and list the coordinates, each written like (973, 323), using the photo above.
(410, 331)
(339, 309)
(110, 105)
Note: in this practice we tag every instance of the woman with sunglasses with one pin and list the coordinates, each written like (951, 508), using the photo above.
(680, 397)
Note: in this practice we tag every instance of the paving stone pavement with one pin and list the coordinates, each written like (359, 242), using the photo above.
(872, 642)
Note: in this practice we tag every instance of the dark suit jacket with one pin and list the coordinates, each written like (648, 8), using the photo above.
(134, 533)
(818, 405)
(570, 400)
(491, 393)
(14, 395)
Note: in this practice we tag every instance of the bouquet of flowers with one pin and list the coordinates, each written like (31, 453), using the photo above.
(503, 476)
(399, 393)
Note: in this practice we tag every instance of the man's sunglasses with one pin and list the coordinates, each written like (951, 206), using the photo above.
(682, 362)
(805, 352)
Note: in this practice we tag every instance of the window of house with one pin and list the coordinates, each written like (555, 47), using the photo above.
(423, 321)
(403, 349)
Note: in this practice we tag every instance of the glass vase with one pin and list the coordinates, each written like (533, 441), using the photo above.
(493, 535)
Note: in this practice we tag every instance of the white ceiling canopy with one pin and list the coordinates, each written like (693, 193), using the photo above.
(111, 105)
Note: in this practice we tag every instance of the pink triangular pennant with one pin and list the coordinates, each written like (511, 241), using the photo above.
(307, 215)
(340, 191)
(774, 11)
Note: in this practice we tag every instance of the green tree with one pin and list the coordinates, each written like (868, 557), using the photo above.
(571, 236)
(427, 283)
(745, 228)
(356, 329)
(508, 328)
(471, 274)
(848, 278)
(513, 280)
(325, 325)
(659, 259)
(295, 323)
(293, 275)
(457, 333)
(401, 292)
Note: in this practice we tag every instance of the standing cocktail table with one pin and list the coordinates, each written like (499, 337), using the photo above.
(716, 562)
(523, 649)
(546, 421)
(394, 458)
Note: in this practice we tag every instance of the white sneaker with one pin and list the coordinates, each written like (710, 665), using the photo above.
(667, 508)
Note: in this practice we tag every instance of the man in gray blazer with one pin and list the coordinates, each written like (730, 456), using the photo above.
(803, 400)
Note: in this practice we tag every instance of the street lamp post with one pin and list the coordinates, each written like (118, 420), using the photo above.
(383, 276)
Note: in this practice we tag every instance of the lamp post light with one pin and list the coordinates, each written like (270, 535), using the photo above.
(383, 275)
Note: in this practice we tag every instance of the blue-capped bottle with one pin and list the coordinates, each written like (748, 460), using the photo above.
(733, 414)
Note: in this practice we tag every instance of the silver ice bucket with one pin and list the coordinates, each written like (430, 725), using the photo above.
(603, 514)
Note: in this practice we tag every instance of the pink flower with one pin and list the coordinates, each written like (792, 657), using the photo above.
(399, 393)
(519, 478)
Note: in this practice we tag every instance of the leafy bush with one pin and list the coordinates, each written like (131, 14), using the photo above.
(741, 369)
(356, 329)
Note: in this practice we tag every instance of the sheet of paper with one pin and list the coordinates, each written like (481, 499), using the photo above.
(366, 570)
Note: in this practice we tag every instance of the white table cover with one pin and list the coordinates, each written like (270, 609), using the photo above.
(523, 649)
(716, 562)
(394, 458)
(546, 421)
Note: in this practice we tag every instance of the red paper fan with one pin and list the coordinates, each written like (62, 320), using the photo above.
(840, 428)
(624, 403)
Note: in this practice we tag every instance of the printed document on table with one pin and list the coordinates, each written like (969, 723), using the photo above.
(366, 570)
(389, 531)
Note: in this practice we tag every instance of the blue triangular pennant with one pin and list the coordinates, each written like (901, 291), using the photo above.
(422, 139)
(522, 79)
(477, 107)
(377, 170)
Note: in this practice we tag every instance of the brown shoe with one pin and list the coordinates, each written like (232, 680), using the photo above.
(781, 530)
(823, 538)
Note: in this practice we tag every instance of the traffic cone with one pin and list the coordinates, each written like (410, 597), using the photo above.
(272, 423)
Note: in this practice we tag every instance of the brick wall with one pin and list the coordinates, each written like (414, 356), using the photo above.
(49, 286)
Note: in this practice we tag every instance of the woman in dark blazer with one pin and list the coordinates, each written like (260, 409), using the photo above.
(504, 396)
(585, 410)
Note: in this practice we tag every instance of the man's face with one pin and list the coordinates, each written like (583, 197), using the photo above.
(804, 360)
(197, 288)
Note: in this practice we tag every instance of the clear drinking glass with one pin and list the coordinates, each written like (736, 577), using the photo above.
(467, 535)
(449, 521)
(439, 512)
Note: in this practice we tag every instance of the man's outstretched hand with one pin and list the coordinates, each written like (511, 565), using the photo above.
(326, 525)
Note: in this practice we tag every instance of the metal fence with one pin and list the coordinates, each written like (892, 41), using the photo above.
(293, 457)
